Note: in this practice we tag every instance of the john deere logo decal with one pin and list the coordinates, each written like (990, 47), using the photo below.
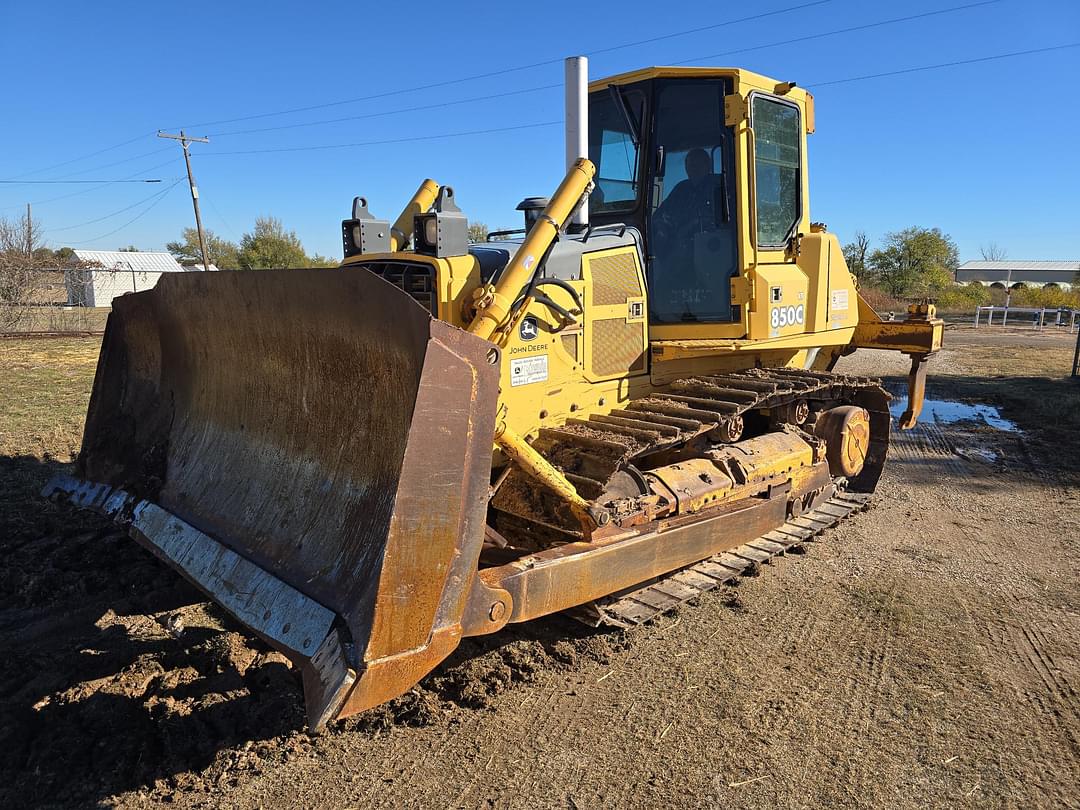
(528, 329)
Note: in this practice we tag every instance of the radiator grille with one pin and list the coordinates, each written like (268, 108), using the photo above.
(418, 280)
(617, 347)
(614, 278)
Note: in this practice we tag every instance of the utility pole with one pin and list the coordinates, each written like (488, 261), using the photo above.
(185, 141)
(29, 234)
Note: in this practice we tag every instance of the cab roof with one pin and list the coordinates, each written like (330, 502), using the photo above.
(745, 80)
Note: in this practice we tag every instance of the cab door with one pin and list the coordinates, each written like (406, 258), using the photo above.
(691, 229)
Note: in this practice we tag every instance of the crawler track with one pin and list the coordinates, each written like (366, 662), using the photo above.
(713, 408)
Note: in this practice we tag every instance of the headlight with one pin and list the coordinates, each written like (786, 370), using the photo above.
(431, 230)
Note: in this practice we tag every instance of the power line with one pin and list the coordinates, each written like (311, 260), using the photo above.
(636, 43)
(504, 71)
(382, 142)
(698, 30)
(84, 190)
(229, 228)
(114, 213)
(84, 157)
(552, 123)
(490, 96)
(119, 162)
(159, 197)
(945, 65)
(72, 182)
(545, 87)
(837, 32)
(417, 108)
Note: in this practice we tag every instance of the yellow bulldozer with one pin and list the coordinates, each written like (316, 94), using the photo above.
(623, 404)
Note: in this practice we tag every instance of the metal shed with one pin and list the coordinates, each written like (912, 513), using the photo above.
(96, 277)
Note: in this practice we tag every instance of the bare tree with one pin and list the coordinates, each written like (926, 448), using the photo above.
(992, 252)
(21, 261)
(855, 254)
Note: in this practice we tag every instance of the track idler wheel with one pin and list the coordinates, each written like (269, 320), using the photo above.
(846, 431)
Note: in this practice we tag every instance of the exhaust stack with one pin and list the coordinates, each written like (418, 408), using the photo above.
(577, 122)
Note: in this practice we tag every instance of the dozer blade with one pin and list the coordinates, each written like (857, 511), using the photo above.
(312, 450)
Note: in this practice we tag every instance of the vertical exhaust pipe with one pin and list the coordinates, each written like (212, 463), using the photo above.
(577, 122)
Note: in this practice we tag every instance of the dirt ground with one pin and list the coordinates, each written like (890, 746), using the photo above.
(923, 654)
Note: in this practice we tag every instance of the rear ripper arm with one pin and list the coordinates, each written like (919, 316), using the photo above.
(918, 336)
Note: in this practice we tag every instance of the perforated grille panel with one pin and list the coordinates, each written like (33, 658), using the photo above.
(569, 344)
(617, 347)
(614, 278)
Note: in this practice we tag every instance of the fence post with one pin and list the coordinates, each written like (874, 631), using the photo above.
(1076, 354)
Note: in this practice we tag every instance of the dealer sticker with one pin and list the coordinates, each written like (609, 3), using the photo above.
(527, 370)
(839, 299)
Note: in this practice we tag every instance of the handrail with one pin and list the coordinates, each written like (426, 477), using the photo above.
(751, 187)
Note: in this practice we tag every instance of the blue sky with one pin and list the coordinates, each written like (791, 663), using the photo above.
(988, 152)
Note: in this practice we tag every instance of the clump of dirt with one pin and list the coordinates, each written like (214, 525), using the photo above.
(417, 708)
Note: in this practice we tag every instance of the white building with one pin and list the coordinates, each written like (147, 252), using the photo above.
(102, 275)
(1012, 273)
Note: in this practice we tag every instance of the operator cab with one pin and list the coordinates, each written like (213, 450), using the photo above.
(665, 160)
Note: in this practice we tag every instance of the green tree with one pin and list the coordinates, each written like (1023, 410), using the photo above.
(478, 232)
(915, 261)
(855, 254)
(128, 249)
(221, 252)
(269, 246)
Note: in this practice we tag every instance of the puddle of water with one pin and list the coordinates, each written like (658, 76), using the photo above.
(946, 412)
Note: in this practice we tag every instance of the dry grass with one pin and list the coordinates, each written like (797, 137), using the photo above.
(59, 319)
(44, 390)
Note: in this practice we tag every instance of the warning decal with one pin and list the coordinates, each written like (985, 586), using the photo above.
(529, 370)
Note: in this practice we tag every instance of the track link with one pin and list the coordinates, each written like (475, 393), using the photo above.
(645, 603)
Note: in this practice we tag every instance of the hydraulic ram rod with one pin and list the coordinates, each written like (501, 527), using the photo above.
(494, 303)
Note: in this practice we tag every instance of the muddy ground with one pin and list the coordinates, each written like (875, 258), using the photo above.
(925, 653)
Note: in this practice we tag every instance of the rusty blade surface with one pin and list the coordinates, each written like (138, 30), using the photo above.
(322, 426)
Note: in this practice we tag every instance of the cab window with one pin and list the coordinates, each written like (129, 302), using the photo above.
(612, 149)
(777, 134)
